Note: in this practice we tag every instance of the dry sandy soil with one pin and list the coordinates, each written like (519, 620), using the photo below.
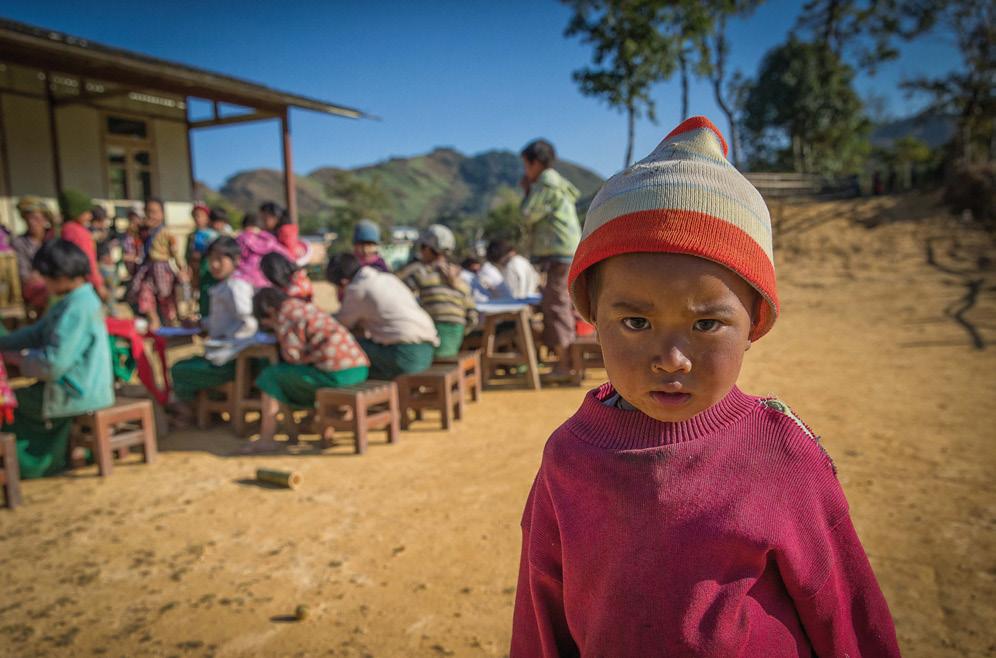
(412, 550)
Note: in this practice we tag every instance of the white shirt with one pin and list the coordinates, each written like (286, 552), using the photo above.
(383, 307)
(521, 277)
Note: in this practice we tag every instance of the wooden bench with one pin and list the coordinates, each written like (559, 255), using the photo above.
(469, 363)
(10, 476)
(440, 387)
(372, 405)
(114, 430)
(585, 353)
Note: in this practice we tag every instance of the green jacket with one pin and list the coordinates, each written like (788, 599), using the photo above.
(69, 350)
(551, 216)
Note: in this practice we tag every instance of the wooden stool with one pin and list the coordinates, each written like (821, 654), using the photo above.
(221, 403)
(374, 405)
(469, 363)
(585, 353)
(244, 399)
(236, 398)
(99, 431)
(440, 387)
(10, 476)
(525, 348)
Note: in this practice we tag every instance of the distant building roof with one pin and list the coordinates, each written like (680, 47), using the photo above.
(50, 50)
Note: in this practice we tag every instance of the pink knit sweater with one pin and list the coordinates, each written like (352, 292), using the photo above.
(724, 535)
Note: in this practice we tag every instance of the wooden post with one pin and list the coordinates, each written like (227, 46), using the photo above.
(290, 189)
(53, 128)
(190, 151)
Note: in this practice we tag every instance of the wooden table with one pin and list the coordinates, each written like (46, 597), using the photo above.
(519, 313)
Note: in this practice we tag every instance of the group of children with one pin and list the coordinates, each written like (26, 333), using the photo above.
(387, 324)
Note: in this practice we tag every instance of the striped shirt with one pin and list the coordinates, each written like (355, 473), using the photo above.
(445, 297)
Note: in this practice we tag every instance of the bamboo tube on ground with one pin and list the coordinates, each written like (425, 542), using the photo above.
(289, 479)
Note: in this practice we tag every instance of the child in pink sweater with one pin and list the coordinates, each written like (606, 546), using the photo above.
(674, 514)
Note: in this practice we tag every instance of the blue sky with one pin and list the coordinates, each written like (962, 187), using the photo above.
(468, 74)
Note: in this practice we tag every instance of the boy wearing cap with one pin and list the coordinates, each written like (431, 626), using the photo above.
(674, 514)
(366, 245)
(440, 289)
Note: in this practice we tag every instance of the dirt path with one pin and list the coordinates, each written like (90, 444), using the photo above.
(412, 550)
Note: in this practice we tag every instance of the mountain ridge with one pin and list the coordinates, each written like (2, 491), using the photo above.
(415, 190)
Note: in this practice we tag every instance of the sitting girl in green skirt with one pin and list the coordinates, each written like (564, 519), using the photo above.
(316, 352)
(67, 351)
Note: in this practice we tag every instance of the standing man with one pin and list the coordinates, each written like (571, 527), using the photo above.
(552, 222)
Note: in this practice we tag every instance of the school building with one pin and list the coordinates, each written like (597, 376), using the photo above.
(116, 124)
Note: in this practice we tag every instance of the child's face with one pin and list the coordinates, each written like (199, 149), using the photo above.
(673, 330)
(153, 214)
(221, 266)
(200, 218)
(107, 259)
(362, 249)
(427, 255)
(533, 169)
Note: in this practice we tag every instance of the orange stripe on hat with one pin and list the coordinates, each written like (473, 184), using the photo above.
(679, 232)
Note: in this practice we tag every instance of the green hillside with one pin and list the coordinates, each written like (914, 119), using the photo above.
(412, 191)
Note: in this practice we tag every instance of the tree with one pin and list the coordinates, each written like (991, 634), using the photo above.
(629, 57)
(714, 49)
(802, 112)
(354, 199)
(866, 28)
(967, 94)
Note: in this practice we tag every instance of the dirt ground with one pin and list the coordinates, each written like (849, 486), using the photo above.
(885, 347)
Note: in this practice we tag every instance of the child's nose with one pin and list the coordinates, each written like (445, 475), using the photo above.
(672, 360)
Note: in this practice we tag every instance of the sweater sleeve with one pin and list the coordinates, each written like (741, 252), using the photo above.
(539, 623)
(847, 615)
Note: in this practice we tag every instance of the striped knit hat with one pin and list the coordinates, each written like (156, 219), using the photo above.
(683, 198)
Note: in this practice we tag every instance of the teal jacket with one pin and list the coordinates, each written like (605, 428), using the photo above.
(551, 218)
(69, 350)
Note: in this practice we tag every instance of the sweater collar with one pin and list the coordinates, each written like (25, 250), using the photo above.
(618, 429)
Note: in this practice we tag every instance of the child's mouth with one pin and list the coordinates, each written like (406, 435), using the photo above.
(670, 399)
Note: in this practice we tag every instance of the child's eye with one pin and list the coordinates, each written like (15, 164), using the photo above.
(636, 324)
(707, 325)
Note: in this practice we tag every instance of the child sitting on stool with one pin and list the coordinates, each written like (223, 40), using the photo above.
(230, 319)
(68, 352)
(395, 332)
(316, 352)
(441, 291)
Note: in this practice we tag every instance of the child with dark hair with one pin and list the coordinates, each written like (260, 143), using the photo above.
(231, 319)
(255, 242)
(552, 222)
(153, 288)
(286, 276)
(68, 352)
(133, 241)
(197, 244)
(278, 222)
(316, 352)
(396, 333)
(76, 214)
(442, 293)
(109, 270)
